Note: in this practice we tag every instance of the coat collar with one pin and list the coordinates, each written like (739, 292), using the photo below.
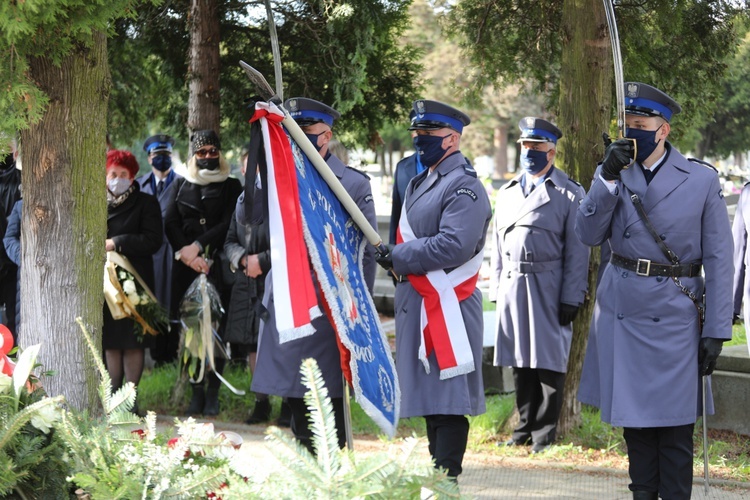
(449, 164)
(336, 165)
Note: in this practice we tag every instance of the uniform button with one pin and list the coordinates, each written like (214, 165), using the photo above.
(620, 316)
(624, 274)
(659, 279)
(507, 253)
(589, 209)
(656, 320)
(627, 235)
(531, 231)
(508, 274)
(663, 236)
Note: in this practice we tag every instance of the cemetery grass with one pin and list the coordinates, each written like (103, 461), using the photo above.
(594, 444)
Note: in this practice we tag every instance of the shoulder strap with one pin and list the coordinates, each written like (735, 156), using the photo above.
(673, 258)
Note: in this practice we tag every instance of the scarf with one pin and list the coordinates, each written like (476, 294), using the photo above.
(115, 201)
(441, 320)
(203, 177)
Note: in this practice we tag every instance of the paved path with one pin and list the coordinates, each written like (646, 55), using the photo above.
(496, 477)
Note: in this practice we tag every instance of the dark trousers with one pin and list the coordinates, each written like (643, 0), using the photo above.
(539, 398)
(661, 460)
(301, 422)
(166, 345)
(447, 436)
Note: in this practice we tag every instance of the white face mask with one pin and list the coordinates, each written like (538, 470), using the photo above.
(118, 186)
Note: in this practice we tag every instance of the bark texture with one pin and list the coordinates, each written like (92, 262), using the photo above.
(65, 219)
(203, 68)
(585, 110)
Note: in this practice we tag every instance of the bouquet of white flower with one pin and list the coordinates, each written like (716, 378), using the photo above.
(129, 297)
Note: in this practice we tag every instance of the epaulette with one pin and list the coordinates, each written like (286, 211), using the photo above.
(359, 172)
(575, 182)
(469, 170)
(704, 163)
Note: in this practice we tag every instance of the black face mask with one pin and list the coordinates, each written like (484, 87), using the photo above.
(207, 163)
(8, 162)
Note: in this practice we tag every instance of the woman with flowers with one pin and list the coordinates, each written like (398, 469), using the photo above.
(196, 224)
(134, 229)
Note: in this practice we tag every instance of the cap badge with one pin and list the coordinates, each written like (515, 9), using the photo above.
(632, 90)
(420, 107)
(530, 122)
(292, 104)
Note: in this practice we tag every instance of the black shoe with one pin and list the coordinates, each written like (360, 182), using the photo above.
(511, 442)
(197, 400)
(211, 408)
(285, 417)
(540, 447)
(261, 412)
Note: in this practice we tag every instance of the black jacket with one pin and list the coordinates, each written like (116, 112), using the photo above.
(202, 214)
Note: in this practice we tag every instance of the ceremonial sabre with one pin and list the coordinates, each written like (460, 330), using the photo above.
(705, 435)
(275, 51)
(614, 37)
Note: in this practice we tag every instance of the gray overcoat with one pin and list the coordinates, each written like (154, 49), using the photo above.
(537, 262)
(641, 365)
(741, 257)
(164, 257)
(449, 219)
(277, 368)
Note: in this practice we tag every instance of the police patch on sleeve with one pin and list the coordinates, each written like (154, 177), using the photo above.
(368, 198)
(467, 192)
(721, 194)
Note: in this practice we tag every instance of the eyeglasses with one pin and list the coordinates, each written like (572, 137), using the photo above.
(202, 153)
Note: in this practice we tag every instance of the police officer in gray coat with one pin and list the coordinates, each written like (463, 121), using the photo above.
(441, 236)
(158, 182)
(539, 280)
(277, 366)
(740, 231)
(646, 351)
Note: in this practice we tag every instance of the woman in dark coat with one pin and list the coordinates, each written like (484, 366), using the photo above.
(196, 225)
(247, 248)
(134, 229)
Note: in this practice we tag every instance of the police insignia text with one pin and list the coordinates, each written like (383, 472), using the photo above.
(467, 192)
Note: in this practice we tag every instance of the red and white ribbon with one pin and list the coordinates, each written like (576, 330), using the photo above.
(294, 293)
(442, 322)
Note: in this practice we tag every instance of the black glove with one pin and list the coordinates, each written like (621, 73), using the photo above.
(617, 156)
(385, 259)
(708, 351)
(568, 314)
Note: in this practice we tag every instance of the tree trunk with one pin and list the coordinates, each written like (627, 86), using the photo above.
(203, 67)
(501, 151)
(64, 220)
(585, 97)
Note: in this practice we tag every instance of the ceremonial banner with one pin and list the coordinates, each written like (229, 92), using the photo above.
(336, 248)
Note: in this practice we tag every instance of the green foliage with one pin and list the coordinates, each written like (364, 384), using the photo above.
(44, 28)
(346, 54)
(341, 474)
(680, 47)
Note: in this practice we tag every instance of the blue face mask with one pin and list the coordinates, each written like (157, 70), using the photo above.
(533, 161)
(162, 163)
(645, 142)
(314, 139)
(429, 148)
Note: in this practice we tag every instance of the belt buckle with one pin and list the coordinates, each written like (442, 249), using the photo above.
(202, 221)
(638, 267)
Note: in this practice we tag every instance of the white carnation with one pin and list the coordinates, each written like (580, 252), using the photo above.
(133, 298)
(45, 417)
(129, 287)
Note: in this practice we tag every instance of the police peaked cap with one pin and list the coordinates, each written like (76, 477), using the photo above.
(432, 115)
(158, 143)
(645, 100)
(538, 130)
(306, 111)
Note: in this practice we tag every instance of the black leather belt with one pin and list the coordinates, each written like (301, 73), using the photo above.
(644, 267)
